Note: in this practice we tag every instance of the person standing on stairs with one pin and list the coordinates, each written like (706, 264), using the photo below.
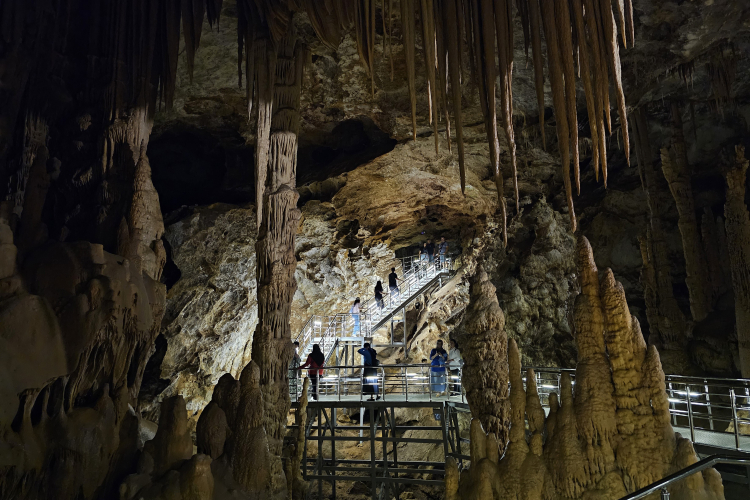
(423, 258)
(430, 247)
(354, 311)
(393, 285)
(438, 356)
(315, 362)
(454, 363)
(369, 371)
(442, 251)
(379, 296)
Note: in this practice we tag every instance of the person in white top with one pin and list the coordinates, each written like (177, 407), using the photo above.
(454, 363)
(354, 311)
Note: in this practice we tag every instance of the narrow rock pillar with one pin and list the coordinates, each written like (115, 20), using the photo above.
(738, 242)
(278, 124)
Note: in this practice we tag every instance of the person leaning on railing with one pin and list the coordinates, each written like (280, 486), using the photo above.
(315, 362)
(370, 375)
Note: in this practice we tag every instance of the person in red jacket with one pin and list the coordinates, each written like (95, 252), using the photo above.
(315, 362)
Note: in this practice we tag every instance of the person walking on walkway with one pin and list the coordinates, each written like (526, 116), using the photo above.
(455, 362)
(379, 296)
(423, 258)
(315, 362)
(442, 251)
(393, 285)
(354, 311)
(438, 356)
(370, 371)
(294, 373)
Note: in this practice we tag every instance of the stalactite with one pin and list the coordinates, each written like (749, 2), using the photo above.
(601, 84)
(613, 53)
(428, 43)
(674, 164)
(630, 27)
(407, 24)
(535, 27)
(738, 242)
(504, 32)
(453, 45)
(558, 98)
(588, 87)
(193, 12)
(562, 19)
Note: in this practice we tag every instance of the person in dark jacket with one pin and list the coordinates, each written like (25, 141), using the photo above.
(315, 362)
(370, 372)
(379, 296)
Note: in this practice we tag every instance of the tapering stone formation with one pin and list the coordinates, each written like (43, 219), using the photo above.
(738, 242)
(611, 437)
(484, 347)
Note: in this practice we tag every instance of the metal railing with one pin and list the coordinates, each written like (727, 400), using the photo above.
(697, 467)
(397, 382)
(710, 411)
(325, 329)
(415, 275)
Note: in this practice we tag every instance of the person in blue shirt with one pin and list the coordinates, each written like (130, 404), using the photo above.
(438, 357)
(370, 373)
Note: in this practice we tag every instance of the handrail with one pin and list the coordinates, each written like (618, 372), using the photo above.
(683, 473)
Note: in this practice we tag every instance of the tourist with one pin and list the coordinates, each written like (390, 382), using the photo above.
(442, 250)
(423, 259)
(430, 248)
(370, 372)
(354, 311)
(379, 296)
(393, 284)
(315, 362)
(455, 362)
(294, 373)
(438, 356)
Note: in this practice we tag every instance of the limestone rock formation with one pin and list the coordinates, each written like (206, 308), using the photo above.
(738, 242)
(484, 349)
(613, 437)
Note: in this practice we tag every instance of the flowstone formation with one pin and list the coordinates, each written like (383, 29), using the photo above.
(609, 437)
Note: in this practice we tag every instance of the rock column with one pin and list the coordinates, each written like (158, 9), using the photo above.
(676, 169)
(738, 242)
(272, 346)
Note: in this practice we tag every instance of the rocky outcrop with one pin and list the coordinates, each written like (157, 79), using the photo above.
(596, 444)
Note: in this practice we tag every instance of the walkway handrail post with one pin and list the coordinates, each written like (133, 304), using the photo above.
(690, 413)
(735, 422)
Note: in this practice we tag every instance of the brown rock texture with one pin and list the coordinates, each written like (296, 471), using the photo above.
(613, 438)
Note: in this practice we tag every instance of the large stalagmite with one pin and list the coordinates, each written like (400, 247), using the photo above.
(738, 242)
(485, 347)
(612, 438)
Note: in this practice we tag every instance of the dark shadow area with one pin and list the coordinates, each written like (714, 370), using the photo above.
(152, 384)
(348, 145)
(194, 167)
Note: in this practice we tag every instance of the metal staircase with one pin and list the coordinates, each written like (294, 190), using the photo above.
(337, 333)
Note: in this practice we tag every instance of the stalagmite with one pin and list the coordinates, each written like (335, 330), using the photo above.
(614, 437)
(738, 242)
(296, 485)
(251, 457)
(484, 348)
(172, 442)
(674, 164)
(211, 432)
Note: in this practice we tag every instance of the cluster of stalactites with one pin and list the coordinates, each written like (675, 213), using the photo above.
(585, 31)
